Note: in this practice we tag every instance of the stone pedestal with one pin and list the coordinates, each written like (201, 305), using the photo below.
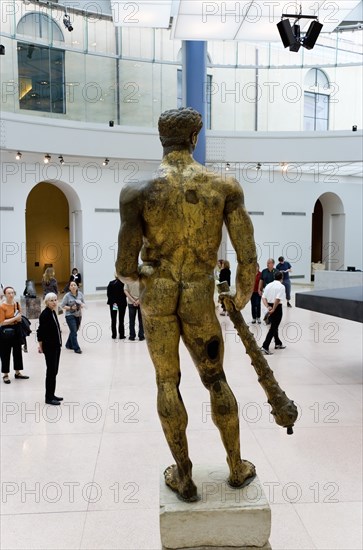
(223, 519)
(31, 307)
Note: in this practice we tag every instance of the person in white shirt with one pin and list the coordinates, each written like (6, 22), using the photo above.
(272, 297)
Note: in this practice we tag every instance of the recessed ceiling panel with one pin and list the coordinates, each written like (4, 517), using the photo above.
(265, 31)
(190, 27)
(143, 13)
(273, 9)
(219, 9)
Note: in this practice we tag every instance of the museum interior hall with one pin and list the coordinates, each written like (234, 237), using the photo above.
(278, 84)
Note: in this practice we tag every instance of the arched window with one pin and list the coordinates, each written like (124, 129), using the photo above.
(40, 68)
(316, 100)
(40, 26)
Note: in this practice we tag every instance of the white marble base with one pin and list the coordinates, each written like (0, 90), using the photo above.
(224, 518)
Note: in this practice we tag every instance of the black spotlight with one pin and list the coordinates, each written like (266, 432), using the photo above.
(312, 35)
(354, 128)
(297, 44)
(291, 35)
(67, 22)
(2, 49)
(285, 30)
(111, 123)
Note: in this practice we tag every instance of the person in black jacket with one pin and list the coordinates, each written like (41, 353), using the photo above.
(225, 275)
(50, 343)
(116, 299)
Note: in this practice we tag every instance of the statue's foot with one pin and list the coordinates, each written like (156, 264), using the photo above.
(242, 475)
(186, 490)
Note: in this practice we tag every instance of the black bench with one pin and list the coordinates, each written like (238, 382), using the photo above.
(346, 303)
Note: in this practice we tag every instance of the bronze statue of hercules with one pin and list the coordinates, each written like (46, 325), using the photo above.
(174, 222)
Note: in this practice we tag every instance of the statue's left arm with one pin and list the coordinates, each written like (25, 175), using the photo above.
(130, 235)
(240, 230)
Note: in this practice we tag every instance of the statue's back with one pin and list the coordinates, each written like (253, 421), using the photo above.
(182, 210)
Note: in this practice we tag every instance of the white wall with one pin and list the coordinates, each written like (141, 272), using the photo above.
(346, 107)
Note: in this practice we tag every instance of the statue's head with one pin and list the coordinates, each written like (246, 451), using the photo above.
(179, 128)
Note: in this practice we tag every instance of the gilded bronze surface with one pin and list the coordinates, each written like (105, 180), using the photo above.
(174, 221)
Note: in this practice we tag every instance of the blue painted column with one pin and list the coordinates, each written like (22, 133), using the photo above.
(194, 84)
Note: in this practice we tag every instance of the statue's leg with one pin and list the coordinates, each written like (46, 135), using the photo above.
(201, 333)
(162, 333)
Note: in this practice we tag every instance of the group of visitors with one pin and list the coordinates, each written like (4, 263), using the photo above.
(119, 297)
(49, 334)
(272, 286)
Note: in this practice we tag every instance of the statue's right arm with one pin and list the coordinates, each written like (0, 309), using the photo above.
(130, 234)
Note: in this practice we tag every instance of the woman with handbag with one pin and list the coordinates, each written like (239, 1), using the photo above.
(10, 336)
(72, 303)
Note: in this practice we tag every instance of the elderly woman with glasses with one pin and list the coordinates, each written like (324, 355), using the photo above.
(50, 343)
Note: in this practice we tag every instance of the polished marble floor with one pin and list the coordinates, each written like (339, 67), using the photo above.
(85, 475)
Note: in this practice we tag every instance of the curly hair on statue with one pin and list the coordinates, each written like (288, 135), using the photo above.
(177, 125)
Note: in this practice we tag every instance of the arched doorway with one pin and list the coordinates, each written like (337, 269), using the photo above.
(51, 226)
(328, 232)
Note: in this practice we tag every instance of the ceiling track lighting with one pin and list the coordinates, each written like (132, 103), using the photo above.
(228, 166)
(105, 162)
(47, 158)
(61, 159)
(291, 34)
(258, 166)
(18, 155)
